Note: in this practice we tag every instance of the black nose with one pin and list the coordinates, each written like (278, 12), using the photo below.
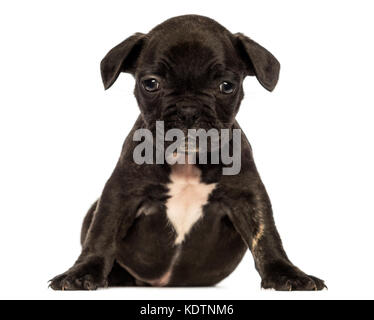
(188, 114)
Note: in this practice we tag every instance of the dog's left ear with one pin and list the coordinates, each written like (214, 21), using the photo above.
(259, 61)
(122, 58)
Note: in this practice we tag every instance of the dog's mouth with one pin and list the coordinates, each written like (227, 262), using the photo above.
(197, 141)
(206, 124)
(187, 145)
(178, 138)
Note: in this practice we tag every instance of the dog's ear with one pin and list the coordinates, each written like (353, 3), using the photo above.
(259, 61)
(122, 58)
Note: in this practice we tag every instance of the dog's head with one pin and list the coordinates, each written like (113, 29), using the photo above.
(189, 72)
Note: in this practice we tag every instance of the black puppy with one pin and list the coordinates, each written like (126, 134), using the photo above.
(183, 224)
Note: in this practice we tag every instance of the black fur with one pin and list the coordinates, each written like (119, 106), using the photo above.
(190, 55)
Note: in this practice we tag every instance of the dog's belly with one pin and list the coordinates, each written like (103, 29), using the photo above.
(209, 253)
(188, 241)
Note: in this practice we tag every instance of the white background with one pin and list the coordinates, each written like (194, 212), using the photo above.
(61, 135)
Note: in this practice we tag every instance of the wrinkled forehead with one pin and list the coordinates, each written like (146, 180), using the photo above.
(187, 53)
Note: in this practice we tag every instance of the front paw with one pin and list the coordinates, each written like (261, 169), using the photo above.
(286, 277)
(86, 275)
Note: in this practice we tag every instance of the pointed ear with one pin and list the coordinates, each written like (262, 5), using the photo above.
(122, 58)
(258, 61)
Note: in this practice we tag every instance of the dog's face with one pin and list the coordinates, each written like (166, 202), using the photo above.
(189, 72)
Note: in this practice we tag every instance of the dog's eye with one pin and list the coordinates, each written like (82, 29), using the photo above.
(151, 85)
(226, 87)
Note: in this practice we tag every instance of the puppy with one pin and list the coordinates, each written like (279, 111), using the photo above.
(184, 224)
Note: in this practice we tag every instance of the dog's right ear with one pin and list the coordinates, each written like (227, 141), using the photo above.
(122, 58)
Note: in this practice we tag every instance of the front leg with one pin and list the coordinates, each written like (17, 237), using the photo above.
(110, 221)
(252, 217)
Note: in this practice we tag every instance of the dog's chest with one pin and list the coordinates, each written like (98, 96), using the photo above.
(187, 196)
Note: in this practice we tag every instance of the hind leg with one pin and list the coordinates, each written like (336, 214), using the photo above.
(118, 276)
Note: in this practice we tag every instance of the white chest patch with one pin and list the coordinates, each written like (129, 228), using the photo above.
(187, 197)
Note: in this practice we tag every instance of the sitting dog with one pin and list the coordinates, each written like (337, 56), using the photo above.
(184, 224)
